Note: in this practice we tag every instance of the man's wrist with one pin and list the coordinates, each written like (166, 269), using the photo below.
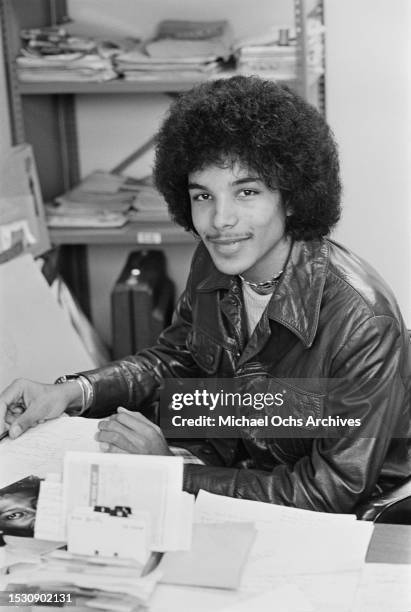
(80, 394)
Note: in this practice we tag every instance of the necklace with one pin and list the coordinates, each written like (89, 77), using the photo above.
(264, 286)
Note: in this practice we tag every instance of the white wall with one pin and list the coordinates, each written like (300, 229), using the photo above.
(368, 107)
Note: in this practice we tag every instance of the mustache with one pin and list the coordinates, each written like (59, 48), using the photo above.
(229, 236)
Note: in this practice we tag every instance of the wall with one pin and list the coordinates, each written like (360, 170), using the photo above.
(368, 106)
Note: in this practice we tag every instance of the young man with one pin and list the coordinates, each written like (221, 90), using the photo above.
(270, 303)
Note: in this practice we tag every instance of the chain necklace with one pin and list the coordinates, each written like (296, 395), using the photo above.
(263, 287)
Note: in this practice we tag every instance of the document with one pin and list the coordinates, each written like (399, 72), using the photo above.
(147, 484)
(216, 559)
(40, 450)
(37, 339)
(383, 587)
(290, 541)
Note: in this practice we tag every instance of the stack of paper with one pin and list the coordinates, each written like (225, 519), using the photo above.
(51, 54)
(96, 582)
(190, 50)
(266, 57)
(106, 200)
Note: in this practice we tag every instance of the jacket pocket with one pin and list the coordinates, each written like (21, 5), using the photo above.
(205, 351)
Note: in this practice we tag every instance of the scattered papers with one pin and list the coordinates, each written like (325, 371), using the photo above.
(150, 484)
(287, 598)
(37, 339)
(290, 541)
(40, 450)
(216, 558)
(384, 587)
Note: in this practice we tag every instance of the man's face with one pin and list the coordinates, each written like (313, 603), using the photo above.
(17, 510)
(240, 220)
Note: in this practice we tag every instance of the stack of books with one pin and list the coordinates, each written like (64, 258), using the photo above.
(51, 54)
(191, 50)
(265, 56)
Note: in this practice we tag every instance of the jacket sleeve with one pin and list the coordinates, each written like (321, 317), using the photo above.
(134, 382)
(373, 371)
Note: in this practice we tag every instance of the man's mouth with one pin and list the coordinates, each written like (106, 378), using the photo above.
(228, 245)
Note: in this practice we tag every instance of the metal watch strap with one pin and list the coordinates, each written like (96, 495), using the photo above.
(74, 410)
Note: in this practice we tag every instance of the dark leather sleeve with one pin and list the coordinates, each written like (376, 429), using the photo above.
(134, 382)
(374, 368)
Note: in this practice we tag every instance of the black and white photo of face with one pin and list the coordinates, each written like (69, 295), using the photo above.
(18, 504)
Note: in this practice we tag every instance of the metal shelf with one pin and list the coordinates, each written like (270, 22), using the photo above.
(120, 86)
(141, 233)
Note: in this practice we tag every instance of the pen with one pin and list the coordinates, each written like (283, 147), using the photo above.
(4, 434)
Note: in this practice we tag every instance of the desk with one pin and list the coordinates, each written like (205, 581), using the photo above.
(389, 544)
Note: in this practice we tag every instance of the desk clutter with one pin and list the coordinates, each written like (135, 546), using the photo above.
(119, 533)
(178, 50)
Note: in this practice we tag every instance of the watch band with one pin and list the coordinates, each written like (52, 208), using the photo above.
(86, 393)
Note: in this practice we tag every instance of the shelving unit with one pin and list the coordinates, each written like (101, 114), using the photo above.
(44, 112)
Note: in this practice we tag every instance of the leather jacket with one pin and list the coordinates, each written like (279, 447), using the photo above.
(331, 317)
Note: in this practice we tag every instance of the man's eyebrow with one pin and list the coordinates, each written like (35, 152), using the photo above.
(247, 179)
(196, 186)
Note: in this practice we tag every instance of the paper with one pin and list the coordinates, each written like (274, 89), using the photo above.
(151, 484)
(40, 450)
(49, 523)
(216, 558)
(287, 598)
(290, 541)
(384, 587)
(37, 339)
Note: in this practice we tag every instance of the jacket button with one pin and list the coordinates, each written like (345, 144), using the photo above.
(209, 359)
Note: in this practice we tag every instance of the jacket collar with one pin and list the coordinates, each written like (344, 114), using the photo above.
(297, 299)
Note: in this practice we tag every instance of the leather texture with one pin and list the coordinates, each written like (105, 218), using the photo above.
(331, 318)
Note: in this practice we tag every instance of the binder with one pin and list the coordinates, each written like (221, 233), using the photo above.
(142, 302)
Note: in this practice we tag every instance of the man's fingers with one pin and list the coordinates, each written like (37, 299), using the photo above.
(11, 396)
(134, 420)
(22, 423)
(120, 439)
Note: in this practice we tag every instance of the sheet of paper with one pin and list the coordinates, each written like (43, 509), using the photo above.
(290, 541)
(40, 450)
(216, 559)
(384, 587)
(151, 484)
(287, 598)
(37, 339)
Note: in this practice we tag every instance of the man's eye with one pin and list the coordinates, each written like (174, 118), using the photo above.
(201, 197)
(248, 192)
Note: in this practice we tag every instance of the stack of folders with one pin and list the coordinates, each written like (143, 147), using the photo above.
(191, 50)
(271, 55)
(105, 200)
(52, 54)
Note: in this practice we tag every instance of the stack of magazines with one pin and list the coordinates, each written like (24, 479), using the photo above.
(51, 54)
(180, 50)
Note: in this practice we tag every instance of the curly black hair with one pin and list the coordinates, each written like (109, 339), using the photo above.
(267, 128)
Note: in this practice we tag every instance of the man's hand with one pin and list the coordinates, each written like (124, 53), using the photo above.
(131, 432)
(25, 403)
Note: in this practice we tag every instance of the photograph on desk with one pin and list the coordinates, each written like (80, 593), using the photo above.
(18, 503)
(227, 186)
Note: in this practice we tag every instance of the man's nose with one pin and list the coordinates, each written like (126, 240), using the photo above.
(225, 213)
